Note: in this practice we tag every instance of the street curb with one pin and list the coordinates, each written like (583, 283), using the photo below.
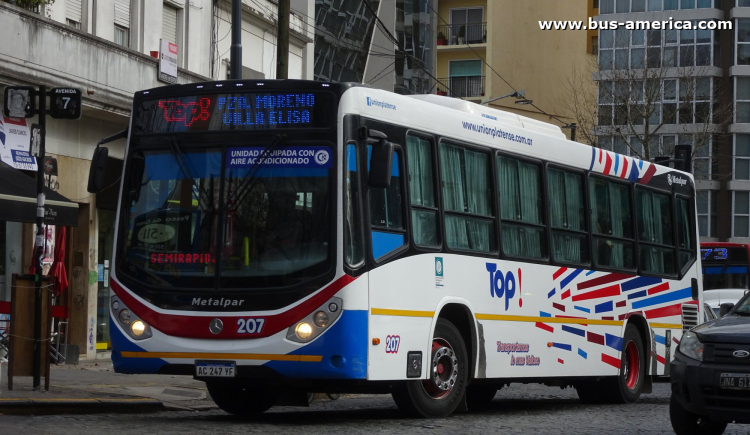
(78, 406)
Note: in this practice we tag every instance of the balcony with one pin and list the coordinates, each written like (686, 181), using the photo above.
(461, 87)
(461, 34)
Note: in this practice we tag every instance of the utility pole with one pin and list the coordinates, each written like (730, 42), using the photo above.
(282, 41)
(235, 56)
(40, 239)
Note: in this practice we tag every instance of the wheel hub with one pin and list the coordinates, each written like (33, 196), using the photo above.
(631, 366)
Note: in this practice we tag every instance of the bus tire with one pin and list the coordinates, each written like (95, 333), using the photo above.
(478, 396)
(685, 422)
(627, 386)
(241, 400)
(448, 373)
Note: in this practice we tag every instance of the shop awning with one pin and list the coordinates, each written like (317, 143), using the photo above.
(18, 200)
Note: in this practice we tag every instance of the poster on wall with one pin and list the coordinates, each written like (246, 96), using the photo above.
(14, 143)
(49, 245)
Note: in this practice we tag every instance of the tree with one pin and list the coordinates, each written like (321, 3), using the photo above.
(649, 108)
(28, 4)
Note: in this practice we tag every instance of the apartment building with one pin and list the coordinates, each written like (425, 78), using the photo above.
(704, 101)
(476, 37)
(108, 49)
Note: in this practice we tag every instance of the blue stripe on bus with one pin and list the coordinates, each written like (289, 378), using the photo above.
(572, 330)
(543, 314)
(663, 298)
(593, 158)
(383, 243)
(551, 293)
(661, 340)
(604, 307)
(641, 281)
(636, 295)
(570, 277)
(613, 341)
(585, 310)
(719, 270)
(351, 158)
(343, 347)
(582, 353)
(617, 163)
(563, 346)
(590, 272)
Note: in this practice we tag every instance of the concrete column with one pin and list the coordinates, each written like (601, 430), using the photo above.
(83, 283)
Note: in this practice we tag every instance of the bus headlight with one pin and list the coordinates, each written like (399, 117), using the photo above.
(138, 328)
(307, 329)
(131, 325)
(303, 330)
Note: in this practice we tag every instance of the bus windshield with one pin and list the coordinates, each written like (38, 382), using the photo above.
(273, 225)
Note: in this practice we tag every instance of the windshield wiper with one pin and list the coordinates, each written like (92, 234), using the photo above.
(248, 181)
(179, 157)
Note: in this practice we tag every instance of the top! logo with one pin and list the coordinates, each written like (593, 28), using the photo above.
(501, 284)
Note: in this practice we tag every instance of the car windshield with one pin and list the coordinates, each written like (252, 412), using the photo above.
(274, 226)
(743, 307)
(723, 277)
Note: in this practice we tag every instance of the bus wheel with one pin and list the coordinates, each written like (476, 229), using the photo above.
(627, 387)
(478, 396)
(241, 400)
(441, 393)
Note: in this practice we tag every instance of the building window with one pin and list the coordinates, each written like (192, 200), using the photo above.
(706, 202)
(73, 24)
(467, 24)
(741, 205)
(466, 78)
(122, 36)
(742, 157)
(743, 42)
(169, 24)
(742, 100)
(73, 13)
(743, 3)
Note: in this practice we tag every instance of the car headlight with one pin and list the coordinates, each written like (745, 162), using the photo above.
(691, 347)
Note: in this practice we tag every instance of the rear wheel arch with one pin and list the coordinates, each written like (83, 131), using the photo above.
(644, 330)
(461, 316)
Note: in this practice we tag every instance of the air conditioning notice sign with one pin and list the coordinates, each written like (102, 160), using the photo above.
(167, 62)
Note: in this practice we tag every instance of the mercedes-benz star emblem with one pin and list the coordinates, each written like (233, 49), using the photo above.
(216, 326)
(741, 353)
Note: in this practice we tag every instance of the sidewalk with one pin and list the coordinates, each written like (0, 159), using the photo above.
(93, 387)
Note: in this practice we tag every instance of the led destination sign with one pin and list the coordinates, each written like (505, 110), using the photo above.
(245, 111)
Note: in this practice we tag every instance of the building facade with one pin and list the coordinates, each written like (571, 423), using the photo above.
(704, 101)
(386, 44)
(108, 49)
(476, 37)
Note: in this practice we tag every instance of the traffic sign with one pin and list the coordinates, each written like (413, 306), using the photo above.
(65, 103)
(19, 102)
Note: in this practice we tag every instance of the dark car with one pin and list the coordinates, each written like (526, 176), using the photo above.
(710, 374)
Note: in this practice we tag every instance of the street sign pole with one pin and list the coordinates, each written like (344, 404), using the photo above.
(37, 367)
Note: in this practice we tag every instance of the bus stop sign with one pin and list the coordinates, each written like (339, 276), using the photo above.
(65, 103)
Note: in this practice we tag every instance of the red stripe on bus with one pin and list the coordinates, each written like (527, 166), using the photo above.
(565, 295)
(624, 167)
(659, 288)
(595, 338)
(559, 272)
(607, 165)
(558, 306)
(621, 304)
(560, 361)
(606, 279)
(660, 359)
(649, 173)
(614, 362)
(196, 326)
(546, 327)
(613, 290)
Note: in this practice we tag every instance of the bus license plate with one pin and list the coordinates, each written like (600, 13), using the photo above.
(210, 369)
(735, 381)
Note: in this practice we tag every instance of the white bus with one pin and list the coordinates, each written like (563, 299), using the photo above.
(283, 237)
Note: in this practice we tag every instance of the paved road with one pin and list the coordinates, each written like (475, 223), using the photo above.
(527, 409)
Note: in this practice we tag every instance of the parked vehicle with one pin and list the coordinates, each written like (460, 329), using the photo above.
(710, 373)
(725, 277)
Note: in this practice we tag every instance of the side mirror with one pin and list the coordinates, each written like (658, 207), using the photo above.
(96, 172)
(381, 163)
(136, 170)
(725, 308)
(694, 288)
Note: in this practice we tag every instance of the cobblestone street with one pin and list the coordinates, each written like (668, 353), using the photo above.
(517, 409)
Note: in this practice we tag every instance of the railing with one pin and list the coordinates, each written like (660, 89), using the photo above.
(461, 87)
(460, 34)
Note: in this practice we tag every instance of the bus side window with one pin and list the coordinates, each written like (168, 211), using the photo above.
(684, 236)
(354, 253)
(467, 192)
(422, 192)
(386, 211)
(654, 217)
(521, 208)
(611, 224)
(567, 217)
